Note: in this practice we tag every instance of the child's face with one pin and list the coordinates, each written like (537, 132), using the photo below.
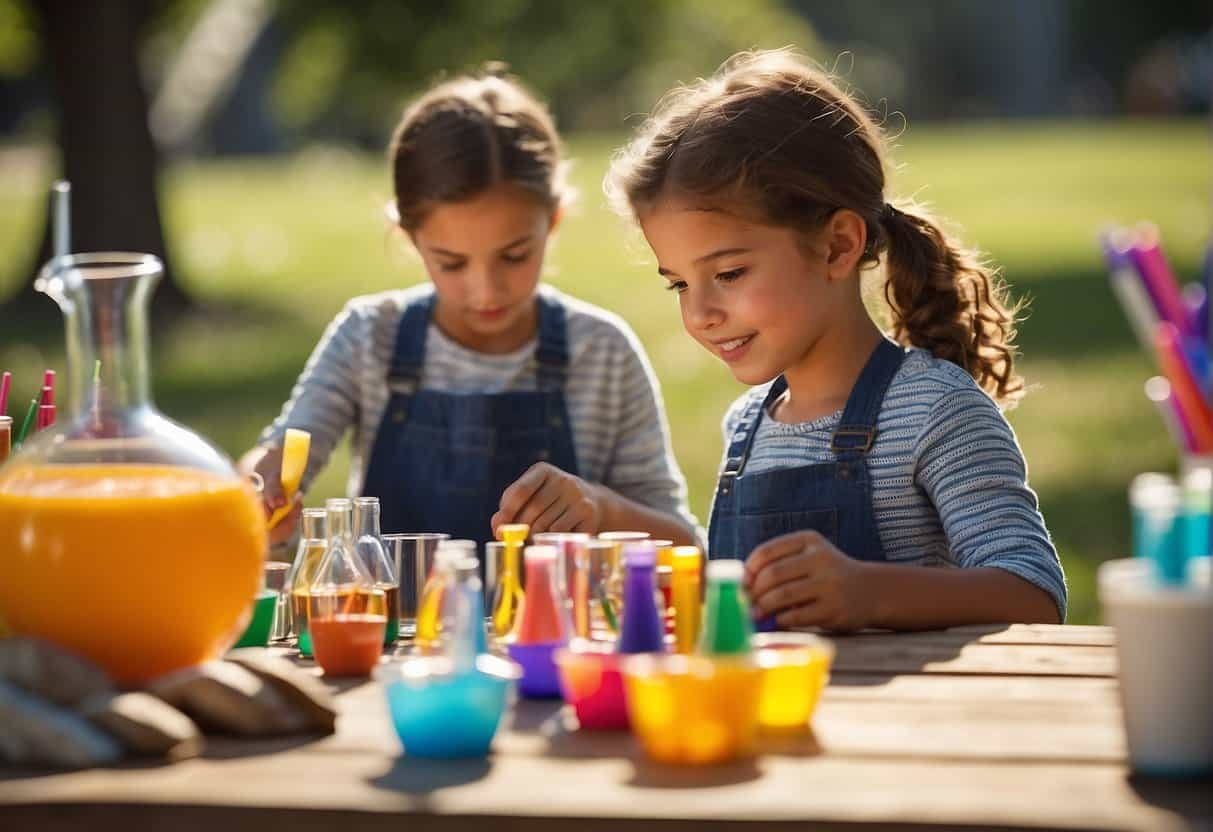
(756, 296)
(484, 256)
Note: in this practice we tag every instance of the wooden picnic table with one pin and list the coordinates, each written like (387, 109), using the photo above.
(979, 727)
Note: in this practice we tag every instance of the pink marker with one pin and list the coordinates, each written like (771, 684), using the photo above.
(5, 382)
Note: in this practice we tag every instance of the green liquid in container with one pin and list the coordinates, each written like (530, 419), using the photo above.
(727, 628)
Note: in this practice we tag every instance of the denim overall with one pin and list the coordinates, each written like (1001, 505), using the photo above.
(833, 498)
(441, 461)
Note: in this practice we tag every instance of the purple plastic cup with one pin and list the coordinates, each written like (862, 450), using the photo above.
(540, 678)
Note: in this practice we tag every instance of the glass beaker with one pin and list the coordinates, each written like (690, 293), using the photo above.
(601, 556)
(614, 582)
(91, 507)
(413, 556)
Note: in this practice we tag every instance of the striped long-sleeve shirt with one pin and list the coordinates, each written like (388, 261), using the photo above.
(620, 434)
(949, 481)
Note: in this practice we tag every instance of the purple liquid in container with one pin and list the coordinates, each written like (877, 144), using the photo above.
(643, 629)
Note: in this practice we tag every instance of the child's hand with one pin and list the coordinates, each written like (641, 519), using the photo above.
(269, 468)
(804, 580)
(549, 500)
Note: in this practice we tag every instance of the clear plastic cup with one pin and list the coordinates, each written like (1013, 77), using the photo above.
(1164, 642)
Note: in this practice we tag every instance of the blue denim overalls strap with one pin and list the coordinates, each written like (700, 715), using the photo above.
(833, 498)
(440, 461)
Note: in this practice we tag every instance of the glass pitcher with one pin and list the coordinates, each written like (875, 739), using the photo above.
(124, 536)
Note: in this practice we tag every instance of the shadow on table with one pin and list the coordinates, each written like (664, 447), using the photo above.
(566, 741)
(216, 748)
(1188, 797)
(867, 658)
(418, 777)
(647, 774)
(790, 742)
(530, 716)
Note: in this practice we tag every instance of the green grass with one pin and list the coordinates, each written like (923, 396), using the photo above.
(279, 245)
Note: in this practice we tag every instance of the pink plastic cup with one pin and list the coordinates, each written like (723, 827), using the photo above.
(592, 683)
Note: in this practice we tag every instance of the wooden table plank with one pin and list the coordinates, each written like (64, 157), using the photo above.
(1060, 635)
(612, 790)
(937, 722)
(933, 687)
(921, 655)
(945, 743)
(1069, 634)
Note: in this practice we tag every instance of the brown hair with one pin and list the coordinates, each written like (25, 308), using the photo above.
(770, 137)
(468, 134)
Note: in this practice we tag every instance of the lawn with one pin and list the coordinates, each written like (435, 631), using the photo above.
(275, 247)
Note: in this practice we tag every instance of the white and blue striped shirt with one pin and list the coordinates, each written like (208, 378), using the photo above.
(949, 481)
(620, 433)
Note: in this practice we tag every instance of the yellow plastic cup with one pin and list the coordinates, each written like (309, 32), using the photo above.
(693, 710)
(795, 669)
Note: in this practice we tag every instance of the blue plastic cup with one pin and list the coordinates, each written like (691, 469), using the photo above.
(443, 713)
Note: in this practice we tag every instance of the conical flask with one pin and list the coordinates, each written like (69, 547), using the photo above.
(643, 626)
(95, 508)
(368, 543)
(727, 629)
(542, 619)
(347, 612)
(313, 543)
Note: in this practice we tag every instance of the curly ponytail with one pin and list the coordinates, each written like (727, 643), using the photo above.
(946, 301)
(773, 138)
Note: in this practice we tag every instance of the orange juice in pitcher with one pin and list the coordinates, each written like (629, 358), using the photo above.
(124, 537)
(140, 568)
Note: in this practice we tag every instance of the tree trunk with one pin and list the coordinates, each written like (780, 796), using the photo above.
(106, 146)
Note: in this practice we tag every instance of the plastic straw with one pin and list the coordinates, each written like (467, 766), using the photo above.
(1130, 291)
(1185, 387)
(6, 382)
(29, 421)
(1158, 278)
(1135, 302)
(61, 200)
(1196, 301)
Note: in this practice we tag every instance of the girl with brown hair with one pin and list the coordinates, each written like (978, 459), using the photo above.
(858, 456)
(482, 397)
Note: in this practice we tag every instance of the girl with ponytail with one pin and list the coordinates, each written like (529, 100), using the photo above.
(858, 456)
